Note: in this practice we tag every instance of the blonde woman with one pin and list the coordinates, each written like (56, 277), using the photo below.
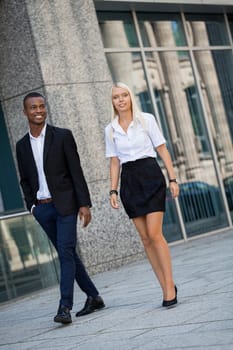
(133, 140)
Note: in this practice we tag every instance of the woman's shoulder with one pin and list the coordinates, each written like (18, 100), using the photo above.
(108, 127)
(147, 116)
(146, 119)
(112, 124)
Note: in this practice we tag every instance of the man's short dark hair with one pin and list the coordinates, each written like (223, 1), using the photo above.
(31, 94)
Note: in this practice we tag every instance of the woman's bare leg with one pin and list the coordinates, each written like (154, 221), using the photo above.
(157, 250)
(141, 226)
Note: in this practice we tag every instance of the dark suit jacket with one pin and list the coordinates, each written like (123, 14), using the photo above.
(62, 169)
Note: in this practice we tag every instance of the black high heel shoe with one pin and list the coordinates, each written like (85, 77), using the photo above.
(172, 302)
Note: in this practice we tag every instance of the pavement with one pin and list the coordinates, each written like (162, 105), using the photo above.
(133, 318)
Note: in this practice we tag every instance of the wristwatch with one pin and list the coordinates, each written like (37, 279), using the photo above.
(173, 180)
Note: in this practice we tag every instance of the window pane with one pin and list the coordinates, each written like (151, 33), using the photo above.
(182, 117)
(26, 258)
(230, 18)
(161, 30)
(10, 196)
(205, 30)
(169, 91)
(216, 74)
(117, 29)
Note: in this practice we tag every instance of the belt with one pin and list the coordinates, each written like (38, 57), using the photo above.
(43, 201)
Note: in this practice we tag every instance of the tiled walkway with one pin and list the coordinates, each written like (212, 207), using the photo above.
(134, 318)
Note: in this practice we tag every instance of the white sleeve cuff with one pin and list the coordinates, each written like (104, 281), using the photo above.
(32, 208)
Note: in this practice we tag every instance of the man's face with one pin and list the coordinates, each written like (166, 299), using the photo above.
(35, 110)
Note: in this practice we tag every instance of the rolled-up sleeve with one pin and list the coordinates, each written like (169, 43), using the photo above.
(154, 131)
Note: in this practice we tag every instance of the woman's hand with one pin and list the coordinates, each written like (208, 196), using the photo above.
(166, 158)
(174, 188)
(114, 176)
(114, 201)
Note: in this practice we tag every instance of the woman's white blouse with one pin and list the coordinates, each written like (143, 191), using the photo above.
(138, 142)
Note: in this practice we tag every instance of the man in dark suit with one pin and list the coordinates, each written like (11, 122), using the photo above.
(55, 191)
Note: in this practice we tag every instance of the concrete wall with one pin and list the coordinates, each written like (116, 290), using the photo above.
(55, 47)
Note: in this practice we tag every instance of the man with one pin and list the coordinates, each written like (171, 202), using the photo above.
(55, 191)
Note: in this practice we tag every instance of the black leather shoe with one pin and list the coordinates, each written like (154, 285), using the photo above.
(63, 315)
(172, 302)
(91, 305)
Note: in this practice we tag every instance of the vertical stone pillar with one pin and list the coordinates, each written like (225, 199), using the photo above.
(70, 55)
(172, 70)
(54, 47)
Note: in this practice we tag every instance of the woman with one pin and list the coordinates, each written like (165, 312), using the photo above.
(133, 140)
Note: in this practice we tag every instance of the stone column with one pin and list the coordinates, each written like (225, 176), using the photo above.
(55, 47)
(172, 71)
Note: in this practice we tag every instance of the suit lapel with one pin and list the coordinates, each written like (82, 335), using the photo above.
(28, 151)
(47, 142)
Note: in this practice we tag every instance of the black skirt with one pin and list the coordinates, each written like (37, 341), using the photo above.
(143, 187)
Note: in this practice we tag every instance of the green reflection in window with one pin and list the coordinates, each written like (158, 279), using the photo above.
(153, 26)
(163, 120)
(178, 33)
(117, 29)
(10, 196)
(145, 102)
(197, 118)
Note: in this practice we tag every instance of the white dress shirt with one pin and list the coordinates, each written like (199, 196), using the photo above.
(138, 142)
(37, 144)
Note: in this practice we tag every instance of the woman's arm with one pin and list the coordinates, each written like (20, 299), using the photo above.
(114, 178)
(166, 158)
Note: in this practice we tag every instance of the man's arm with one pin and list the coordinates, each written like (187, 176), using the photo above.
(26, 187)
(74, 165)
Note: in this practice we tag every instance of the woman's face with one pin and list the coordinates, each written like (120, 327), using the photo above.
(121, 99)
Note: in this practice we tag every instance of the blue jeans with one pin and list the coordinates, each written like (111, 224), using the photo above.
(62, 232)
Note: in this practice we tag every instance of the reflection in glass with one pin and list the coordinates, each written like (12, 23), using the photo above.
(165, 81)
(26, 258)
(197, 119)
(117, 29)
(179, 109)
(228, 186)
(172, 78)
(161, 30)
(201, 207)
(223, 61)
(230, 18)
(205, 30)
(215, 70)
(217, 82)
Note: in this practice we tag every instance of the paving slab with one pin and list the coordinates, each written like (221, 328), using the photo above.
(133, 318)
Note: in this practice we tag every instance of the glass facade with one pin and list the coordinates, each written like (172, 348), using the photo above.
(180, 68)
(10, 196)
(27, 261)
